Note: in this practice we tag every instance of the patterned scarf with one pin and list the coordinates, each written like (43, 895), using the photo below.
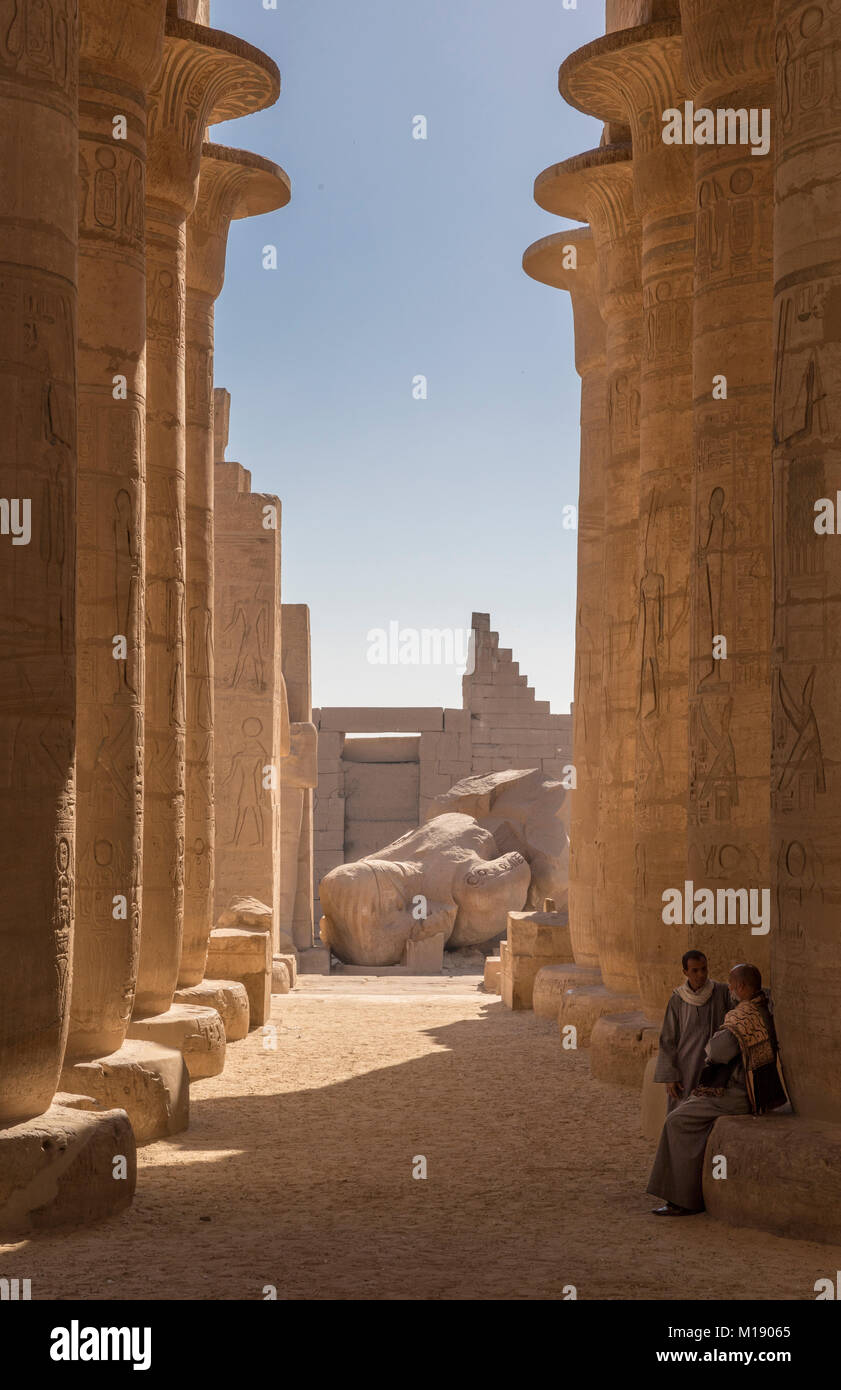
(753, 1028)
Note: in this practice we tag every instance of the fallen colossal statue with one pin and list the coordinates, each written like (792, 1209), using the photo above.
(444, 878)
(491, 845)
(526, 811)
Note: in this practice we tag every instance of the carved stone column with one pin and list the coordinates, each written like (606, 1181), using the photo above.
(299, 775)
(252, 712)
(38, 238)
(206, 76)
(634, 75)
(119, 60)
(798, 1156)
(728, 61)
(806, 667)
(53, 1160)
(598, 186)
(567, 260)
(234, 184)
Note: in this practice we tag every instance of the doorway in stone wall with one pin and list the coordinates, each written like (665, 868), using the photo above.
(381, 775)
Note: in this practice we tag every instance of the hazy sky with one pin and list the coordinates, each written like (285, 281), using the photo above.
(399, 257)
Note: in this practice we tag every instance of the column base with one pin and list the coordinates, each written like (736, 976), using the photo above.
(284, 968)
(583, 1006)
(228, 997)
(653, 1103)
(620, 1046)
(58, 1170)
(239, 953)
(146, 1080)
(315, 961)
(552, 982)
(493, 975)
(535, 940)
(783, 1176)
(196, 1033)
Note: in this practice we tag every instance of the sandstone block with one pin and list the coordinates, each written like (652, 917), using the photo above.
(58, 1170)
(783, 1176)
(621, 1046)
(228, 997)
(493, 968)
(241, 954)
(281, 979)
(426, 955)
(248, 914)
(653, 1103)
(584, 1006)
(197, 1033)
(290, 960)
(535, 939)
(316, 961)
(149, 1082)
(552, 981)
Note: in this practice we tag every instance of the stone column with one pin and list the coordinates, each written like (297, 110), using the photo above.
(299, 775)
(119, 59)
(54, 1161)
(806, 663)
(252, 713)
(38, 239)
(598, 186)
(206, 76)
(567, 260)
(634, 75)
(233, 184)
(729, 63)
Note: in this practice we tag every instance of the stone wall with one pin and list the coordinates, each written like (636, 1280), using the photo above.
(371, 789)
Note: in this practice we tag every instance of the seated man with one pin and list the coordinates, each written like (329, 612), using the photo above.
(694, 1012)
(741, 1077)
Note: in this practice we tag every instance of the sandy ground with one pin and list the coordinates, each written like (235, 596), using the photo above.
(297, 1172)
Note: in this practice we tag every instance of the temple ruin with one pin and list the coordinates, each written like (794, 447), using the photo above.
(705, 666)
(171, 802)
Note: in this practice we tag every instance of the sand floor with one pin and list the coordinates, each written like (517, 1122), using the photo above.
(297, 1172)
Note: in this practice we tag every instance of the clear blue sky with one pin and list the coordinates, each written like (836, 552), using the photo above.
(399, 257)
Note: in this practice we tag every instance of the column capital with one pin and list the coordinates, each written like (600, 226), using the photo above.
(206, 77)
(599, 186)
(547, 261)
(727, 49)
(233, 184)
(634, 75)
(125, 42)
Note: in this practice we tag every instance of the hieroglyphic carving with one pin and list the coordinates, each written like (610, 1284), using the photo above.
(38, 271)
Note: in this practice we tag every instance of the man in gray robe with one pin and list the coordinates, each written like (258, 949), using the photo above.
(678, 1169)
(694, 1012)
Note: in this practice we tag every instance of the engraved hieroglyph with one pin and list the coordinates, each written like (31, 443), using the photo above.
(206, 76)
(634, 75)
(299, 776)
(567, 260)
(728, 59)
(119, 60)
(38, 238)
(252, 713)
(599, 185)
(233, 184)
(806, 640)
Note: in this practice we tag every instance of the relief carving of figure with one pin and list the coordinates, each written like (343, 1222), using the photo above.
(245, 778)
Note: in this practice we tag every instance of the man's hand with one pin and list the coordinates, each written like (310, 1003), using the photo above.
(674, 1089)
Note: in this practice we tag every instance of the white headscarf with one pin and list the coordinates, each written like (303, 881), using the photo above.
(695, 996)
